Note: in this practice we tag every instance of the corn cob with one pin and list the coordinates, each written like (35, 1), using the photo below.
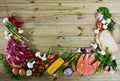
(55, 65)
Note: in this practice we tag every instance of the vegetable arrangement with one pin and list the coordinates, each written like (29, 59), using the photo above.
(21, 61)
(104, 19)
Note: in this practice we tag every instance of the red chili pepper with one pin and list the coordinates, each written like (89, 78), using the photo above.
(14, 21)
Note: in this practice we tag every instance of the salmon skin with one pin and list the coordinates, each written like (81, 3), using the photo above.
(87, 64)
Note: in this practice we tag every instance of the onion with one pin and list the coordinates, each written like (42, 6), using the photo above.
(22, 72)
(15, 71)
(68, 72)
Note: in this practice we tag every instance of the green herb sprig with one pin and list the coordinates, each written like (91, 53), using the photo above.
(12, 29)
(106, 60)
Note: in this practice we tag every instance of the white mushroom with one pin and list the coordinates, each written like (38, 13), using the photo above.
(104, 21)
(30, 65)
(108, 20)
(79, 50)
(38, 54)
(28, 73)
(94, 45)
(44, 57)
(5, 20)
(105, 26)
(102, 52)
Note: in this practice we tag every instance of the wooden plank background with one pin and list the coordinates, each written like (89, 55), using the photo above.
(60, 23)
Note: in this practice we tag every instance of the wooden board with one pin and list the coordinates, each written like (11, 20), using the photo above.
(59, 23)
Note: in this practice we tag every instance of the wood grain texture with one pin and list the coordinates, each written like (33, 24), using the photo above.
(59, 23)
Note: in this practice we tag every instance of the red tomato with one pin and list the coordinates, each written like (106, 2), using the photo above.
(106, 68)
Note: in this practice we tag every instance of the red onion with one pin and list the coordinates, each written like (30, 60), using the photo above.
(68, 72)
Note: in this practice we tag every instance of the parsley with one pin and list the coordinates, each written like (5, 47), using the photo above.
(106, 60)
(106, 15)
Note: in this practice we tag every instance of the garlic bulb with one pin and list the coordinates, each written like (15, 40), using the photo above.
(5, 20)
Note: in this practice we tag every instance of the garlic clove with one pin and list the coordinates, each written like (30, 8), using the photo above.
(5, 20)
(28, 73)
(20, 31)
